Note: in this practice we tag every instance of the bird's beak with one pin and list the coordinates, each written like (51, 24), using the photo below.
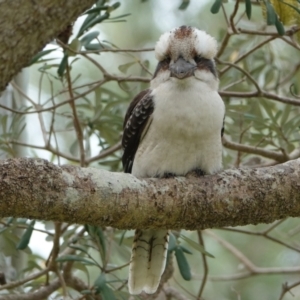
(182, 69)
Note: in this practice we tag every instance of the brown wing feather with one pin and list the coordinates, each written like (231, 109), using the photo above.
(138, 113)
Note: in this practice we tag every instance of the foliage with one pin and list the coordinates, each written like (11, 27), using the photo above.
(81, 123)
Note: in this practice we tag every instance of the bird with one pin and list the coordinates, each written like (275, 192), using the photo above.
(171, 129)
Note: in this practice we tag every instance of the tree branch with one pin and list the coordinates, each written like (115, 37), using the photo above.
(37, 189)
(27, 26)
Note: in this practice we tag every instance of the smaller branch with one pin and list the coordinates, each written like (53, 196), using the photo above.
(205, 266)
(76, 121)
(105, 152)
(289, 32)
(172, 293)
(47, 148)
(116, 50)
(286, 288)
(242, 71)
(262, 234)
(101, 82)
(280, 157)
(28, 278)
(274, 225)
(236, 7)
(255, 94)
(252, 269)
(223, 44)
(224, 70)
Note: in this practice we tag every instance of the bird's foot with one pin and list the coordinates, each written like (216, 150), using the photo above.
(169, 175)
(197, 172)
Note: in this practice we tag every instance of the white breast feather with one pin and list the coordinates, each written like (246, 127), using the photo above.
(185, 132)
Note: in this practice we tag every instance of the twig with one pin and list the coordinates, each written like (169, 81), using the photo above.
(236, 7)
(205, 266)
(76, 121)
(28, 278)
(286, 288)
(278, 156)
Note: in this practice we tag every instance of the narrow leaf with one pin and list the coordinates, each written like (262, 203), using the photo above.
(86, 21)
(62, 65)
(216, 7)
(25, 239)
(172, 243)
(184, 4)
(94, 21)
(122, 237)
(39, 55)
(271, 14)
(83, 260)
(94, 46)
(279, 26)
(185, 249)
(99, 283)
(248, 8)
(195, 245)
(119, 17)
(75, 45)
(89, 37)
(107, 293)
(183, 265)
(115, 6)
(96, 10)
(125, 67)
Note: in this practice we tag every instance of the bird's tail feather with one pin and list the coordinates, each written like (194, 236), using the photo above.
(148, 260)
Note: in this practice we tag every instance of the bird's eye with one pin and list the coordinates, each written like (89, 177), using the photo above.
(198, 58)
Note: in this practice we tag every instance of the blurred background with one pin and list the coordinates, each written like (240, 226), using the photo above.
(68, 107)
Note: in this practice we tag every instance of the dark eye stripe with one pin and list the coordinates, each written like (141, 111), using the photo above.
(204, 63)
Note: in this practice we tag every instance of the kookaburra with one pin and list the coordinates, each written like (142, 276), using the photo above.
(171, 129)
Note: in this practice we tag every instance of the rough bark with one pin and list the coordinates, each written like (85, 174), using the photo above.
(37, 189)
(26, 27)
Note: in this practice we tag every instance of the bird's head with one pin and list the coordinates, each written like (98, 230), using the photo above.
(186, 52)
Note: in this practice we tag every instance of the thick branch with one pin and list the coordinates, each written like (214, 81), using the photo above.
(37, 189)
(26, 27)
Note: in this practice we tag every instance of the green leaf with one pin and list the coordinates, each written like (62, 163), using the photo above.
(62, 65)
(99, 283)
(92, 22)
(94, 46)
(87, 20)
(185, 249)
(120, 16)
(184, 4)
(123, 68)
(39, 55)
(78, 247)
(271, 14)
(195, 245)
(216, 7)
(248, 8)
(114, 6)
(183, 265)
(89, 37)
(25, 239)
(279, 26)
(75, 45)
(107, 293)
(97, 234)
(122, 237)
(83, 260)
(172, 243)
(96, 10)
